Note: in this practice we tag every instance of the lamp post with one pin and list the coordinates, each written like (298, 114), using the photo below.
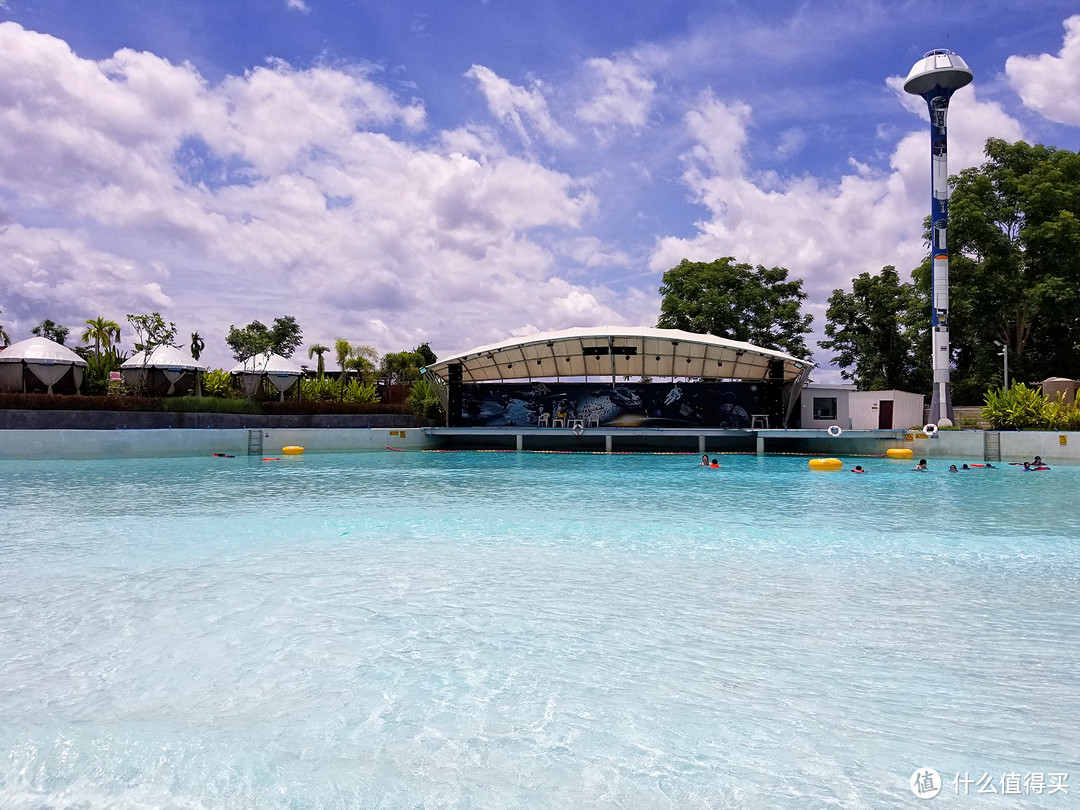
(1004, 353)
(935, 77)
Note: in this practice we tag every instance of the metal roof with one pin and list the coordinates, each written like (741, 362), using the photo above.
(616, 352)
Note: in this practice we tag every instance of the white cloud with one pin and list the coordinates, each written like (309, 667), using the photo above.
(298, 5)
(620, 93)
(719, 130)
(1048, 84)
(824, 233)
(134, 185)
(523, 109)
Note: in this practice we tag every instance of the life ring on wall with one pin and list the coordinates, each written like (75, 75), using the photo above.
(577, 430)
(899, 452)
(292, 450)
(835, 430)
(929, 429)
(826, 464)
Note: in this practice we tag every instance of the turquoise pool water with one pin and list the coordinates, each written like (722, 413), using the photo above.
(406, 630)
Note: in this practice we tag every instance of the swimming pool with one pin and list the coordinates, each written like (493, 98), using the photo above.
(532, 630)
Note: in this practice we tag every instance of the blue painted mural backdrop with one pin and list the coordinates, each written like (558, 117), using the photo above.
(680, 404)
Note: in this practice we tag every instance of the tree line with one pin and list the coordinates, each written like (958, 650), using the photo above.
(360, 364)
(1014, 268)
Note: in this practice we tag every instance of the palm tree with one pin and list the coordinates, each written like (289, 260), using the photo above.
(197, 345)
(343, 350)
(358, 358)
(320, 350)
(364, 360)
(102, 331)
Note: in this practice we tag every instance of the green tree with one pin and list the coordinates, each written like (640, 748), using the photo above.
(755, 305)
(102, 331)
(424, 350)
(364, 360)
(285, 336)
(1014, 270)
(152, 331)
(320, 350)
(197, 345)
(250, 341)
(52, 331)
(401, 367)
(878, 332)
(4, 335)
(361, 359)
(282, 337)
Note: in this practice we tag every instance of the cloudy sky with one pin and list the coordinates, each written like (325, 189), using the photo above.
(465, 171)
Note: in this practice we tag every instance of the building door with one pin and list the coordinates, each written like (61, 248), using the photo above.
(884, 414)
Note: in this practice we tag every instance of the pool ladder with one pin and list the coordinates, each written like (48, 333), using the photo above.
(255, 442)
(991, 446)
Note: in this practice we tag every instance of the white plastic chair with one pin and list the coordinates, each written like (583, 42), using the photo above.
(544, 420)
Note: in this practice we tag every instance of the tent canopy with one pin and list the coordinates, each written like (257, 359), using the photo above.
(45, 359)
(279, 371)
(619, 351)
(164, 357)
(274, 365)
(41, 351)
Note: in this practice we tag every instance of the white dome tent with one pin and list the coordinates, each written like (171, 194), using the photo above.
(170, 362)
(279, 371)
(45, 359)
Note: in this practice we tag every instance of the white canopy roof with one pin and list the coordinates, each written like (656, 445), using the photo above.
(274, 365)
(168, 357)
(620, 351)
(41, 351)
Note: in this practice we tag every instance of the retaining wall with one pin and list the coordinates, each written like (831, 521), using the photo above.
(1055, 447)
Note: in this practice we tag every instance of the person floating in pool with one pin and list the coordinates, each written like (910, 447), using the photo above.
(715, 463)
(921, 466)
(857, 469)
(952, 468)
(705, 460)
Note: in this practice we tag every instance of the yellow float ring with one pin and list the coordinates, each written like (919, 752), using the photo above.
(826, 464)
(292, 450)
(899, 452)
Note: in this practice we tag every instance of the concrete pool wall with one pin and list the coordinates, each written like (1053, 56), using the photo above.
(971, 445)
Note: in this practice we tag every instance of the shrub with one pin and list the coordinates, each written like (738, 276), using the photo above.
(424, 401)
(219, 383)
(1058, 415)
(358, 392)
(1015, 408)
(319, 389)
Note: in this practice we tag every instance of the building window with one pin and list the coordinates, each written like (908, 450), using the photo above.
(825, 407)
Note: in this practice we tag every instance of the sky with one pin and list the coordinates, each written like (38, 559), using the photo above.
(464, 172)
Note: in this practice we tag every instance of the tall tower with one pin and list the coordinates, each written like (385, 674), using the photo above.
(936, 77)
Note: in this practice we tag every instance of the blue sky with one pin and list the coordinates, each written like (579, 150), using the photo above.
(461, 172)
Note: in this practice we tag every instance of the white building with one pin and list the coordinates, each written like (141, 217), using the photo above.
(825, 405)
